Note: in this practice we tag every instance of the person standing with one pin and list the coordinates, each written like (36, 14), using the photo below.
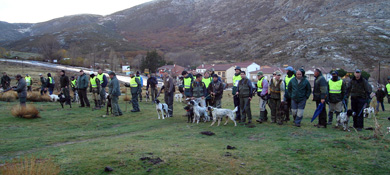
(359, 90)
(299, 90)
(50, 83)
(290, 74)
(64, 82)
(94, 87)
(336, 91)
(28, 82)
(276, 90)
(244, 91)
(82, 85)
(169, 90)
(142, 84)
(21, 89)
(43, 84)
(236, 99)
(198, 90)
(152, 83)
(135, 86)
(387, 89)
(114, 92)
(215, 90)
(103, 84)
(5, 81)
(187, 81)
(320, 92)
(262, 92)
(207, 80)
(73, 85)
(380, 95)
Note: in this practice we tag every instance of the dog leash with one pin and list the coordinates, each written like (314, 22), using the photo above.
(362, 109)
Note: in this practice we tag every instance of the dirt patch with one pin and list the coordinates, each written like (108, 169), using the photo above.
(154, 161)
(208, 133)
(230, 147)
(256, 137)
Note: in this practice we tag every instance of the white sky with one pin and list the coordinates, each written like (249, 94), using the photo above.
(32, 11)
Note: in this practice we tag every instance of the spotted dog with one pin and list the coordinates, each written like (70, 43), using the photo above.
(62, 100)
(178, 97)
(161, 108)
(190, 113)
(218, 114)
(147, 96)
(199, 112)
(343, 119)
(368, 112)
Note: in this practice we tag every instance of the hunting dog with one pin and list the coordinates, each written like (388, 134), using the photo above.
(368, 112)
(62, 100)
(190, 113)
(161, 107)
(343, 119)
(147, 96)
(283, 109)
(179, 97)
(218, 114)
(109, 105)
(54, 97)
(199, 112)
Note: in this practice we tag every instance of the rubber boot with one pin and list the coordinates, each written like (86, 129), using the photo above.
(265, 115)
(261, 118)
(330, 118)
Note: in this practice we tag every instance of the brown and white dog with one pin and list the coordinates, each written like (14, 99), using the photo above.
(343, 119)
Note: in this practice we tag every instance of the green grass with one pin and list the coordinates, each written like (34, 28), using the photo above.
(81, 141)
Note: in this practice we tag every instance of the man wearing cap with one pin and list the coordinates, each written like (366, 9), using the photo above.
(290, 74)
(244, 91)
(50, 83)
(359, 90)
(380, 95)
(276, 90)
(198, 90)
(236, 98)
(387, 89)
(73, 85)
(64, 82)
(82, 85)
(142, 84)
(135, 86)
(94, 87)
(207, 80)
(103, 84)
(187, 81)
(215, 90)
(43, 84)
(262, 92)
(169, 90)
(28, 82)
(336, 93)
(114, 91)
(152, 83)
(21, 89)
(5, 81)
(320, 93)
(299, 89)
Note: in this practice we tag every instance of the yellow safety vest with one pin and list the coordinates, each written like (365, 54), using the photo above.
(260, 85)
(287, 80)
(187, 83)
(133, 83)
(93, 82)
(335, 86)
(206, 81)
(236, 79)
(100, 76)
(28, 81)
(388, 88)
(73, 83)
(51, 80)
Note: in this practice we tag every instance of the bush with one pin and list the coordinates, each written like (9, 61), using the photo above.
(9, 96)
(126, 98)
(28, 112)
(30, 166)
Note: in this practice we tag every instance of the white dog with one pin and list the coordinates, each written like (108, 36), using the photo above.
(54, 97)
(368, 112)
(199, 112)
(161, 107)
(178, 97)
(218, 114)
(343, 119)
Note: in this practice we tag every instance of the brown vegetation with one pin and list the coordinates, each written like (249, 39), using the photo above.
(9, 96)
(31, 166)
(28, 112)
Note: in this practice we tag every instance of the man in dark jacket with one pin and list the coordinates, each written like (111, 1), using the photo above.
(336, 91)
(64, 82)
(152, 83)
(198, 90)
(50, 83)
(299, 90)
(5, 81)
(135, 88)
(21, 89)
(82, 85)
(169, 90)
(244, 92)
(103, 84)
(360, 91)
(380, 95)
(43, 84)
(114, 91)
(216, 92)
(320, 93)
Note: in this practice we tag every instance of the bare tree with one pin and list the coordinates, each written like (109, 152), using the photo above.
(113, 57)
(48, 46)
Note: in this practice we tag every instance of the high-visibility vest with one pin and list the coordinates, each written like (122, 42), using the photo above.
(51, 80)
(73, 83)
(260, 85)
(335, 86)
(93, 82)
(206, 81)
(133, 83)
(28, 81)
(100, 77)
(388, 88)
(236, 79)
(187, 83)
(287, 80)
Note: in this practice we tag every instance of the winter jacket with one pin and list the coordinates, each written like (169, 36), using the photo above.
(198, 89)
(43, 82)
(299, 91)
(320, 90)
(169, 85)
(152, 82)
(21, 88)
(359, 88)
(245, 88)
(5, 80)
(64, 81)
(113, 87)
(217, 88)
(380, 95)
(82, 82)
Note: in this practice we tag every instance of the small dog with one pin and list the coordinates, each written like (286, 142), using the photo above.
(54, 97)
(109, 106)
(343, 119)
(190, 113)
(178, 97)
(218, 114)
(161, 107)
(76, 97)
(199, 112)
(368, 112)
(147, 96)
(62, 100)
(283, 108)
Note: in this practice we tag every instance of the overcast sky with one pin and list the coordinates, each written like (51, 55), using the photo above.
(32, 11)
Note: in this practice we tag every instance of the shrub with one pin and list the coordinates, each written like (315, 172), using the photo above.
(9, 96)
(126, 98)
(28, 112)
(31, 166)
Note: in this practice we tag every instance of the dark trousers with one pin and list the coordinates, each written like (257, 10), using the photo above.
(43, 91)
(322, 116)
(274, 104)
(83, 97)
(134, 101)
(140, 95)
(168, 98)
(388, 100)
(380, 103)
(357, 105)
(245, 109)
(287, 114)
(237, 104)
(51, 89)
(29, 88)
(153, 93)
(22, 101)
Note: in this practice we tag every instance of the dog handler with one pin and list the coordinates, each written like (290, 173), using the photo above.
(82, 85)
(299, 90)
(64, 82)
(262, 92)
(21, 89)
(114, 92)
(103, 84)
(198, 91)
(276, 90)
(169, 90)
(94, 87)
(336, 90)
(135, 86)
(244, 91)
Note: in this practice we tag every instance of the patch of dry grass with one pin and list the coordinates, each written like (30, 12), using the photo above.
(9, 96)
(37, 97)
(28, 112)
(126, 98)
(30, 166)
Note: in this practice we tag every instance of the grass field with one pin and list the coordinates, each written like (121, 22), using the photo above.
(81, 141)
